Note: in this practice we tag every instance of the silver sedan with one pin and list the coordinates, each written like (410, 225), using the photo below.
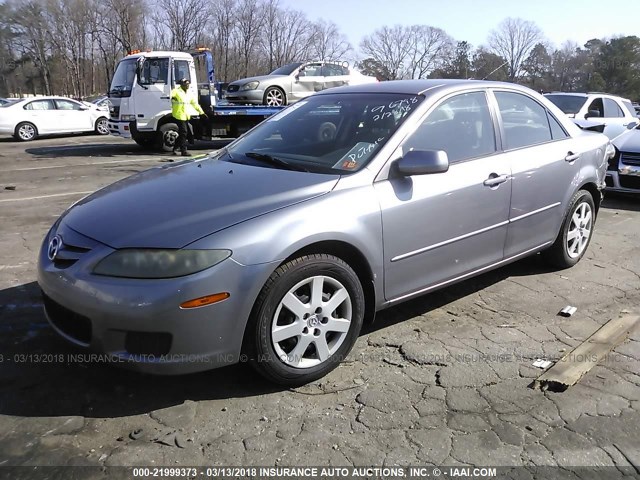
(293, 82)
(277, 248)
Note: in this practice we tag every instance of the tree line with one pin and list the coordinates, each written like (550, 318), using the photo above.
(71, 47)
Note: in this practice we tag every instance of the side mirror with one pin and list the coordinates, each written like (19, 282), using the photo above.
(422, 162)
(593, 113)
(631, 125)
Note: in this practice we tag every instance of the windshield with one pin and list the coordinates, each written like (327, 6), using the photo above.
(567, 103)
(336, 133)
(286, 70)
(122, 82)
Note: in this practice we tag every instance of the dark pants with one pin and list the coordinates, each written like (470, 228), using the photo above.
(183, 132)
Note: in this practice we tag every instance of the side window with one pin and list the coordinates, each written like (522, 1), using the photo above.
(311, 70)
(181, 70)
(460, 125)
(40, 105)
(611, 109)
(596, 109)
(557, 132)
(524, 120)
(155, 70)
(331, 70)
(67, 105)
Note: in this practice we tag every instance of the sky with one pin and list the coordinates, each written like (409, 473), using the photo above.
(472, 20)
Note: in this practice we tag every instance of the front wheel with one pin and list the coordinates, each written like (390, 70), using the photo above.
(101, 126)
(167, 136)
(274, 97)
(575, 233)
(306, 319)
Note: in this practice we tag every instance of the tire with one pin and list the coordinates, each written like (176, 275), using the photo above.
(26, 131)
(167, 136)
(274, 97)
(309, 342)
(575, 233)
(145, 141)
(101, 127)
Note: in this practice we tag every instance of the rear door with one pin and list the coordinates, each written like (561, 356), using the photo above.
(335, 75)
(44, 115)
(545, 167)
(308, 81)
(443, 226)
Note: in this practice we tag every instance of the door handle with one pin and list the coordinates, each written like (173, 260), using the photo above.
(495, 179)
(164, 98)
(571, 157)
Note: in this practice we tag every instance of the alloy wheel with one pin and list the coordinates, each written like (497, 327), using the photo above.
(579, 230)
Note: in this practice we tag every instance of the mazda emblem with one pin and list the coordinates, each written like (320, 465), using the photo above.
(55, 244)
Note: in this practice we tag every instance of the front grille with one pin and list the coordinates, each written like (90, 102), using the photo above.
(233, 88)
(68, 255)
(70, 323)
(630, 158)
(628, 181)
(148, 343)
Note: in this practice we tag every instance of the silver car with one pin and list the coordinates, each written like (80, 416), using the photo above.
(293, 82)
(623, 172)
(278, 248)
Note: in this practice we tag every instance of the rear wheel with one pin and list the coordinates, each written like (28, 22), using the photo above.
(575, 233)
(306, 319)
(26, 132)
(167, 136)
(101, 126)
(274, 97)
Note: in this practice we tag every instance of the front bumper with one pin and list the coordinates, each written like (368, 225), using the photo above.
(625, 178)
(251, 97)
(119, 128)
(138, 324)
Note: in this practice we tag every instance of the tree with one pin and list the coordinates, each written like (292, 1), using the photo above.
(372, 67)
(458, 65)
(489, 66)
(538, 67)
(389, 47)
(427, 49)
(513, 40)
(327, 43)
(618, 63)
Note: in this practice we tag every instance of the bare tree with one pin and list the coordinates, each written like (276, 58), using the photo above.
(223, 16)
(248, 30)
(513, 40)
(389, 47)
(180, 24)
(428, 49)
(327, 43)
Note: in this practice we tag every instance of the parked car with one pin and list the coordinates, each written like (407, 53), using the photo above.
(293, 82)
(623, 172)
(102, 102)
(374, 194)
(28, 118)
(4, 101)
(616, 112)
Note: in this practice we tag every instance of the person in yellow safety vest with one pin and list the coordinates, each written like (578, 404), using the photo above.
(182, 106)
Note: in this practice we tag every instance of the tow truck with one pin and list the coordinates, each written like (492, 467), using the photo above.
(140, 104)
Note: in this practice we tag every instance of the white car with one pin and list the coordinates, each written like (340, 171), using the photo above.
(29, 118)
(616, 113)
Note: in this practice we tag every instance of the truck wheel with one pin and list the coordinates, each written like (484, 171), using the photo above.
(145, 141)
(274, 97)
(167, 136)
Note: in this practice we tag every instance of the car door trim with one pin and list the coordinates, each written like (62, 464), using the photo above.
(447, 242)
(534, 212)
(471, 234)
(466, 275)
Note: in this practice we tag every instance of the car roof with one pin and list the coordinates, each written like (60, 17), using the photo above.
(587, 94)
(423, 87)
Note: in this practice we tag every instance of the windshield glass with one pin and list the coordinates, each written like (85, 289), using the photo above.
(567, 103)
(286, 70)
(336, 133)
(122, 82)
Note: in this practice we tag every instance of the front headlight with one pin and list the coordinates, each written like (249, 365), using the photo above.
(152, 263)
(250, 86)
(127, 118)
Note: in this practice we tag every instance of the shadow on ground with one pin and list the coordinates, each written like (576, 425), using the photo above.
(38, 380)
(108, 150)
(622, 201)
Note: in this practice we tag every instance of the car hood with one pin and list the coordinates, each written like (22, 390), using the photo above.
(628, 141)
(170, 207)
(261, 79)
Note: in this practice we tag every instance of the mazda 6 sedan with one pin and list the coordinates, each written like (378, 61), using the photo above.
(277, 248)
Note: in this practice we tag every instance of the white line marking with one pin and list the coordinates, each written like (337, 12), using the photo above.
(133, 160)
(45, 196)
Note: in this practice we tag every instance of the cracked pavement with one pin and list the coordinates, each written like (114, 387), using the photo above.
(441, 380)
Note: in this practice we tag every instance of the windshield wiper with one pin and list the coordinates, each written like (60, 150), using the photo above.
(275, 160)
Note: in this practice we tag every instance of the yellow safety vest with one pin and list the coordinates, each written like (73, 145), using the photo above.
(183, 104)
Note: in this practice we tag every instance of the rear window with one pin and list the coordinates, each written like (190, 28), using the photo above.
(567, 103)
